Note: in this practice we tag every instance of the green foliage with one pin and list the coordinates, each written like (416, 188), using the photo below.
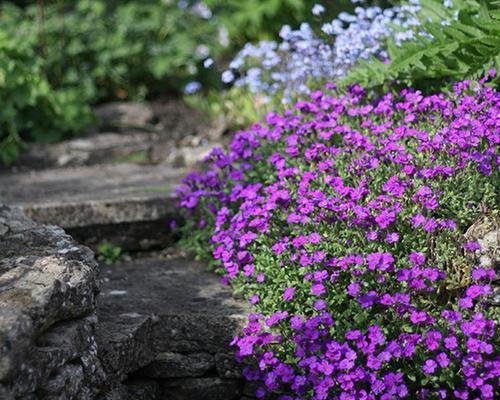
(461, 48)
(113, 50)
(109, 253)
(263, 19)
(31, 109)
(57, 60)
(240, 107)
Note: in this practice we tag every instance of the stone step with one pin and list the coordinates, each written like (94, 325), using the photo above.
(147, 328)
(143, 148)
(169, 322)
(126, 204)
(166, 130)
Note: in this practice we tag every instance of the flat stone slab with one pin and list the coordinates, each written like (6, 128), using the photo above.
(97, 195)
(163, 306)
(101, 148)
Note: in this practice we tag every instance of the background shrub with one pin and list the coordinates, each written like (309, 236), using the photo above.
(90, 51)
(31, 108)
(263, 19)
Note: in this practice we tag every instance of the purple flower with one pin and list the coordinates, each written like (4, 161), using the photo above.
(429, 367)
(472, 246)
(289, 293)
(368, 300)
(318, 289)
(392, 237)
(353, 289)
(443, 360)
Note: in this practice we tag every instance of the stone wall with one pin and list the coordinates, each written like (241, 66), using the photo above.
(168, 338)
(48, 288)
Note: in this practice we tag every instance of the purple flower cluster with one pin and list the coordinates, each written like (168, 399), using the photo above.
(342, 222)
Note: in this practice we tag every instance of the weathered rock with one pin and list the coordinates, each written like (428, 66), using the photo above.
(123, 115)
(48, 286)
(191, 310)
(66, 384)
(101, 148)
(227, 366)
(124, 194)
(125, 342)
(202, 389)
(44, 273)
(486, 231)
(16, 335)
(142, 389)
(187, 157)
(70, 338)
(178, 120)
(175, 365)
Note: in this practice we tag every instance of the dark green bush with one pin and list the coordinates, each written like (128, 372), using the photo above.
(31, 109)
(57, 59)
(262, 19)
(115, 50)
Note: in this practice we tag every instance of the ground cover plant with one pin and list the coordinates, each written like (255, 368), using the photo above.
(342, 222)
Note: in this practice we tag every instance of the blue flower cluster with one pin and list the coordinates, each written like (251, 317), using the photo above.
(286, 67)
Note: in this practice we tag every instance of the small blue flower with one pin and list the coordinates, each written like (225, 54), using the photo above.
(318, 9)
(208, 62)
(227, 76)
(269, 68)
(192, 87)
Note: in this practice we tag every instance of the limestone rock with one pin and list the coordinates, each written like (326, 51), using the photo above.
(202, 389)
(48, 287)
(486, 231)
(119, 115)
(227, 366)
(174, 365)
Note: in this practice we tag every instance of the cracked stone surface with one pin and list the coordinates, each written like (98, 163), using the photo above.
(164, 307)
(48, 288)
(160, 327)
(90, 202)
